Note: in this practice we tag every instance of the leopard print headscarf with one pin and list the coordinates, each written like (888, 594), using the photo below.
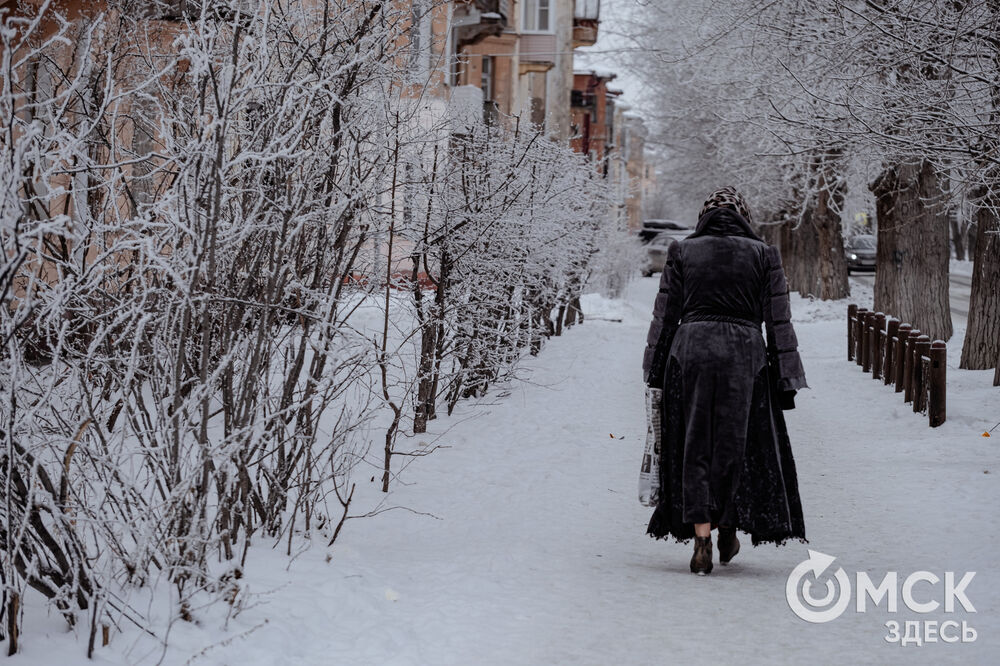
(727, 197)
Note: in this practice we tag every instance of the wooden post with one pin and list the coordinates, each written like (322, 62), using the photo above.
(911, 339)
(859, 335)
(899, 357)
(888, 371)
(936, 411)
(866, 341)
(852, 313)
(921, 350)
(920, 392)
(879, 345)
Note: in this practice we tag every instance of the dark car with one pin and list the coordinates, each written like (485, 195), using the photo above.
(860, 253)
(653, 228)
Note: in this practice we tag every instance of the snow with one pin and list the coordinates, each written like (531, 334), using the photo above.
(599, 72)
(963, 268)
(523, 542)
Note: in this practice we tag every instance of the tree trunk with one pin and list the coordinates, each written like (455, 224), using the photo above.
(996, 373)
(805, 249)
(574, 312)
(425, 374)
(982, 336)
(813, 254)
(830, 280)
(812, 248)
(911, 277)
(959, 233)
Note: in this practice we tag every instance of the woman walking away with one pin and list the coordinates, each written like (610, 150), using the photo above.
(725, 458)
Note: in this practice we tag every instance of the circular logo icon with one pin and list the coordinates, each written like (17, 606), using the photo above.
(817, 607)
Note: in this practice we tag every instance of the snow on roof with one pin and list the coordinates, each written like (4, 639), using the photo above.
(599, 73)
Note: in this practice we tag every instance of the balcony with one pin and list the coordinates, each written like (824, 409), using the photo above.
(538, 48)
(586, 18)
(475, 20)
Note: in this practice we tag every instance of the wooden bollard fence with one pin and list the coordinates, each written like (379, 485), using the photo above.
(899, 354)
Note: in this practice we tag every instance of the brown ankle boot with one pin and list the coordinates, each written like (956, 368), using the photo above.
(701, 561)
(728, 544)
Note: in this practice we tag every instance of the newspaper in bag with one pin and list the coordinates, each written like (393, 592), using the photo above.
(649, 473)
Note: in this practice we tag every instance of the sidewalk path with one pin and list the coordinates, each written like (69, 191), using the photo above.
(537, 552)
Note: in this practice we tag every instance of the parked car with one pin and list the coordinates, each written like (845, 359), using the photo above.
(860, 253)
(652, 228)
(656, 249)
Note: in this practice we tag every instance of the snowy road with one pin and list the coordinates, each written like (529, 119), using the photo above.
(536, 552)
(959, 291)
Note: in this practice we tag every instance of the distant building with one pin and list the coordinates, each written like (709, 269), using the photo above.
(592, 115)
(638, 173)
(615, 140)
(520, 54)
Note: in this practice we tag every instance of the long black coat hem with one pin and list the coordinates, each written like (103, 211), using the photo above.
(755, 540)
(766, 502)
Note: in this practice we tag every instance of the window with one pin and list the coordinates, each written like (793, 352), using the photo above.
(536, 15)
(486, 82)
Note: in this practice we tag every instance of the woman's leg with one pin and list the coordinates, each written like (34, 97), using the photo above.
(701, 560)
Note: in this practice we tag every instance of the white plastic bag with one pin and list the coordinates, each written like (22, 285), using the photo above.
(649, 473)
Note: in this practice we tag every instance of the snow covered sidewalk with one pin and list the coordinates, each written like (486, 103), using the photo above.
(535, 550)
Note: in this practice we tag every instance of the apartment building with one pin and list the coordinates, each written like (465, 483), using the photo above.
(512, 57)
(519, 53)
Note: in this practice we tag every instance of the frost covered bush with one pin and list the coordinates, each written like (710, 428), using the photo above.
(511, 224)
(618, 260)
(197, 221)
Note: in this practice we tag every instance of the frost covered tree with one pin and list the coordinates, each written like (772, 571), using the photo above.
(204, 319)
(799, 100)
(510, 223)
(186, 197)
(728, 110)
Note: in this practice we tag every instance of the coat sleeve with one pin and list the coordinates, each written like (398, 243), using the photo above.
(782, 345)
(666, 318)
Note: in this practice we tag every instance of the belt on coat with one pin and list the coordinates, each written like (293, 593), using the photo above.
(705, 316)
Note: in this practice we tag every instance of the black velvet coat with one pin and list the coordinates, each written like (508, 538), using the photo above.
(725, 456)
